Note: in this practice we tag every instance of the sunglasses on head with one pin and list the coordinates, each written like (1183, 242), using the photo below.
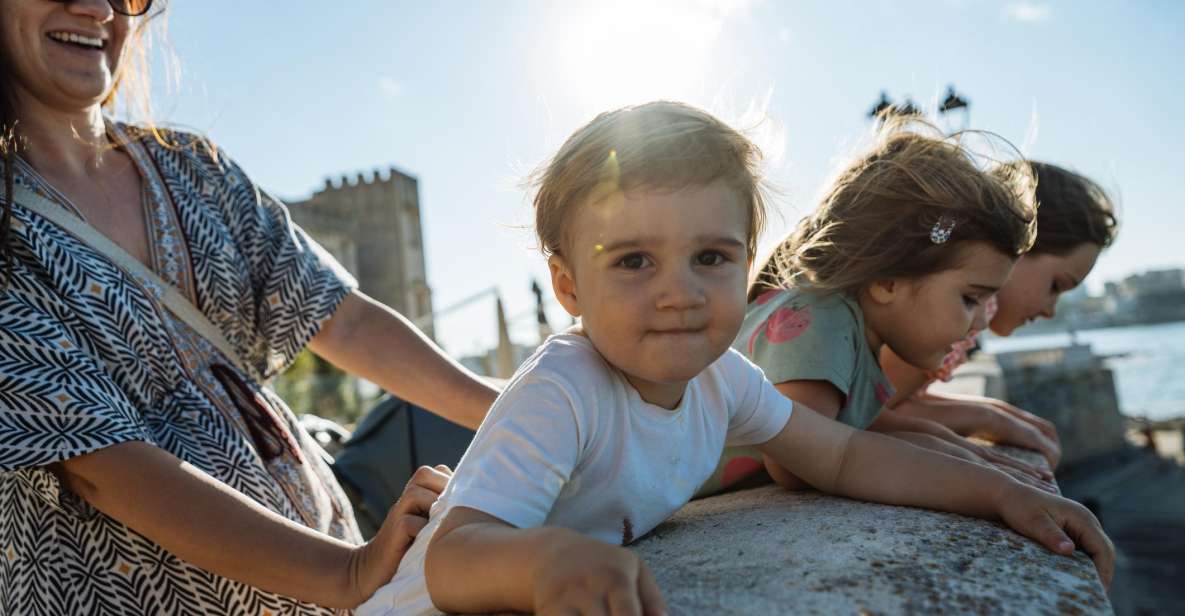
(131, 8)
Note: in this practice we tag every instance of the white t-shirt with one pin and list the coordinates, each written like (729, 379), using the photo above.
(570, 443)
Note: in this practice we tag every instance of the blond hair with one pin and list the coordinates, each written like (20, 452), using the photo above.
(657, 146)
(876, 220)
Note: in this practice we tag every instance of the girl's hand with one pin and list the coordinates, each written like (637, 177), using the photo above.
(586, 577)
(374, 563)
(1015, 426)
(1059, 524)
(1004, 462)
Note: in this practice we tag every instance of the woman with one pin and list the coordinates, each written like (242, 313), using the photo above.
(141, 469)
(1075, 222)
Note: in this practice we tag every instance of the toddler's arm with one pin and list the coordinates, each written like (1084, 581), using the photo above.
(869, 466)
(478, 563)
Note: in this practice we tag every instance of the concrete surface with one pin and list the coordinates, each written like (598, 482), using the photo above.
(768, 551)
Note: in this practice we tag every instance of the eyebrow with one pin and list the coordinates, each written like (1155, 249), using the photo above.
(984, 287)
(639, 242)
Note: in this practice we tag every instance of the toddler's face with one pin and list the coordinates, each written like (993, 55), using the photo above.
(658, 279)
(931, 313)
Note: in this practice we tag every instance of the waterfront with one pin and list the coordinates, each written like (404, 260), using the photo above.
(1148, 362)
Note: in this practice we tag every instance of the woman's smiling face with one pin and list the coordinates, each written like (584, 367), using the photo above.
(64, 55)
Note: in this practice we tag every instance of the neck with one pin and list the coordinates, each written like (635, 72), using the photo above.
(666, 395)
(62, 143)
(871, 324)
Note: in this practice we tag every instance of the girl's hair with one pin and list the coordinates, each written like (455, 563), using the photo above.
(885, 214)
(657, 146)
(1071, 210)
(131, 91)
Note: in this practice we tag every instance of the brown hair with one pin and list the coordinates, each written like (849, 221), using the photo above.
(877, 218)
(131, 87)
(1072, 210)
(659, 145)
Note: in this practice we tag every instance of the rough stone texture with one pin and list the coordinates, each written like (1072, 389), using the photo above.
(768, 551)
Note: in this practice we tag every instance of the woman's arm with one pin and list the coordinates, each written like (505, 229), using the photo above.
(838, 459)
(477, 563)
(210, 525)
(372, 341)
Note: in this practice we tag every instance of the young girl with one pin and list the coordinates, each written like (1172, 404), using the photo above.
(906, 248)
(650, 215)
(1075, 222)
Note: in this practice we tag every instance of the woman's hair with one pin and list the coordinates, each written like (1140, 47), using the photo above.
(1071, 210)
(131, 91)
(903, 210)
(657, 146)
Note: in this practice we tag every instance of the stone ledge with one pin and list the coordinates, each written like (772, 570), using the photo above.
(768, 551)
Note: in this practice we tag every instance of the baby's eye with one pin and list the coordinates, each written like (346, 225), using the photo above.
(633, 261)
(970, 302)
(710, 257)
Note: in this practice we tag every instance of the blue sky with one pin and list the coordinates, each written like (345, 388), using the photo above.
(470, 96)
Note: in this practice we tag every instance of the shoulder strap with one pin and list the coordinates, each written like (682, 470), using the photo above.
(172, 299)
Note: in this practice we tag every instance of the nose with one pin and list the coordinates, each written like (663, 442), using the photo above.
(680, 289)
(98, 10)
(979, 320)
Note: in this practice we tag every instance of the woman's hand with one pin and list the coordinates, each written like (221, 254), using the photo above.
(373, 564)
(1059, 524)
(587, 577)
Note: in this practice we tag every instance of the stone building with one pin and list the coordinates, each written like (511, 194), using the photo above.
(371, 223)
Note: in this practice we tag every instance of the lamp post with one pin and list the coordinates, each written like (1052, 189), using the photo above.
(953, 103)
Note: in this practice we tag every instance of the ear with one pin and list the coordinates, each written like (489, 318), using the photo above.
(563, 284)
(885, 291)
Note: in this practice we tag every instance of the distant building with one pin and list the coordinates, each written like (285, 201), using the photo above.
(1153, 282)
(371, 224)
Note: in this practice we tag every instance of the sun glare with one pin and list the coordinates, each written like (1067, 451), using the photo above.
(615, 53)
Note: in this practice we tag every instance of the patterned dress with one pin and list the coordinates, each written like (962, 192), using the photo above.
(89, 358)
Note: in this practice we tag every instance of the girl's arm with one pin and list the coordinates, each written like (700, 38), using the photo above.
(477, 563)
(999, 423)
(993, 420)
(210, 525)
(870, 466)
(370, 340)
(943, 439)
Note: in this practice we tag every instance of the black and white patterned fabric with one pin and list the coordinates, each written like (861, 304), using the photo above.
(90, 359)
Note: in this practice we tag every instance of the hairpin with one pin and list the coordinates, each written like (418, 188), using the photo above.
(941, 230)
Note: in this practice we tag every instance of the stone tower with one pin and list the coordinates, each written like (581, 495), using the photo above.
(371, 223)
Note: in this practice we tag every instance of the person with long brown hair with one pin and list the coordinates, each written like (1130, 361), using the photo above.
(1075, 222)
(150, 288)
(909, 243)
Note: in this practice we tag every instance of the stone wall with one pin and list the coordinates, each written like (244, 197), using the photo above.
(768, 551)
(371, 223)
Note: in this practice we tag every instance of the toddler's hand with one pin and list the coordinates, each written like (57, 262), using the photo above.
(586, 577)
(1059, 524)
(374, 563)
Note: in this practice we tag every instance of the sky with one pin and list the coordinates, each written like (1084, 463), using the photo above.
(469, 97)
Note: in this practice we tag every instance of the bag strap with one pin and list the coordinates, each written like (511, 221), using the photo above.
(168, 295)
